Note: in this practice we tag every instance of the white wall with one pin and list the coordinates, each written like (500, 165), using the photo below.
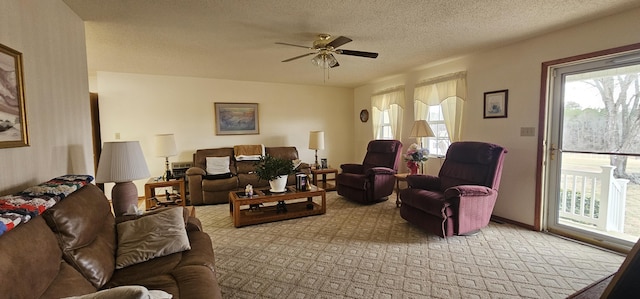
(517, 68)
(139, 106)
(51, 39)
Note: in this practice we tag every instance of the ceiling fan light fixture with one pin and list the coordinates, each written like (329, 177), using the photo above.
(324, 60)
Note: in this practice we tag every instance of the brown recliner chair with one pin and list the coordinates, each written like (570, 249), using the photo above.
(373, 180)
(461, 198)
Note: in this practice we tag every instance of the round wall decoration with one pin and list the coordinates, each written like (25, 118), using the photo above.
(364, 115)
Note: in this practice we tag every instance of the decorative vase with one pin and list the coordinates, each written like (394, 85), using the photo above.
(279, 184)
(413, 167)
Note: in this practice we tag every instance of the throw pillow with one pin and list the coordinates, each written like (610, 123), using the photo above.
(217, 165)
(151, 236)
(126, 292)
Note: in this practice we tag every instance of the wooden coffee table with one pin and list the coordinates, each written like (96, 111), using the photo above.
(267, 206)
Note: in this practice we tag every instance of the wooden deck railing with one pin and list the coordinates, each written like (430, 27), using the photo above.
(593, 199)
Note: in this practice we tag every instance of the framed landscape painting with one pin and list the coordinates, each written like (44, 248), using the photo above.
(236, 118)
(13, 120)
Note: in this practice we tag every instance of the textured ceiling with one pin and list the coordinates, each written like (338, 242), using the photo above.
(235, 39)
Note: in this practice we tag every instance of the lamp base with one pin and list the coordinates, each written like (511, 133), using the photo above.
(123, 195)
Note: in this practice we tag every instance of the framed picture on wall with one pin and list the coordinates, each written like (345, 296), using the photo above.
(495, 103)
(13, 120)
(236, 118)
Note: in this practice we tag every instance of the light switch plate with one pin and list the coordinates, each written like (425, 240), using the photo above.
(527, 131)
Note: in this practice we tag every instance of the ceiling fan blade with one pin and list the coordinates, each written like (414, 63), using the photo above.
(339, 41)
(357, 53)
(299, 46)
(297, 57)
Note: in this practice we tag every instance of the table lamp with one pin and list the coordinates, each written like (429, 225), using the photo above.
(166, 147)
(121, 163)
(316, 142)
(420, 130)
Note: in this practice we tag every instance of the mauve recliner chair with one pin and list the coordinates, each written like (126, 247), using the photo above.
(373, 180)
(461, 198)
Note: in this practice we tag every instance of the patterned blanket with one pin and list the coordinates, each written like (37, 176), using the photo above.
(21, 207)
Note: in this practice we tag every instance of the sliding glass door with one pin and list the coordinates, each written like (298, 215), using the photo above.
(593, 159)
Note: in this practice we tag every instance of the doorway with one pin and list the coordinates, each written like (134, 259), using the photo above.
(592, 141)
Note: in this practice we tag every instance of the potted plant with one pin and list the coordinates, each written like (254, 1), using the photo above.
(275, 170)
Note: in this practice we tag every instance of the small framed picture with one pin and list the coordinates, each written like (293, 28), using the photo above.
(495, 103)
(323, 163)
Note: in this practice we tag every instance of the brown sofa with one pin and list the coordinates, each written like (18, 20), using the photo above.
(204, 189)
(72, 249)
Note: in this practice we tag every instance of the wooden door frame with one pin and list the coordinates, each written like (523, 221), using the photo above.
(542, 116)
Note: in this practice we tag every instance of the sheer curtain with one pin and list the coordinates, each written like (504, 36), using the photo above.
(391, 100)
(450, 92)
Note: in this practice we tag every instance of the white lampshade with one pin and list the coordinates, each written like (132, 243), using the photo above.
(421, 129)
(316, 140)
(166, 145)
(121, 162)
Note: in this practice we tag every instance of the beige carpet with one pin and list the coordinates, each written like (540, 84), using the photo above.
(356, 251)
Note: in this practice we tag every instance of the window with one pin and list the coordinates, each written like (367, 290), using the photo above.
(439, 101)
(385, 126)
(387, 112)
(439, 144)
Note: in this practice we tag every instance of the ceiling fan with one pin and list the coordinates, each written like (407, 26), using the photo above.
(323, 48)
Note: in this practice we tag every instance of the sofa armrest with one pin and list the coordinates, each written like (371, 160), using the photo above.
(352, 168)
(380, 171)
(468, 191)
(474, 205)
(194, 175)
(193, 224)
(195, 171)
(424, 182)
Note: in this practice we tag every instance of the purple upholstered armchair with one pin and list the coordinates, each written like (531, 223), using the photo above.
(461, 198)
(373, 180)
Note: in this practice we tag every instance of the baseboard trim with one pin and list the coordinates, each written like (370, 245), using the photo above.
(498, 219)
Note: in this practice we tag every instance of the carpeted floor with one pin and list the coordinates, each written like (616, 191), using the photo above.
(357, 251)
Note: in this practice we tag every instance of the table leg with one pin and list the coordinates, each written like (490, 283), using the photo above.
(397, 193)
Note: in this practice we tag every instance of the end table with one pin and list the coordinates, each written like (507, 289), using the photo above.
(327, 184)
(400, 177)
(152, 184)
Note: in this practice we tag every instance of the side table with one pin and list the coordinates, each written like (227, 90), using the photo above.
(150, 192)
(325, 182)
(400, 177)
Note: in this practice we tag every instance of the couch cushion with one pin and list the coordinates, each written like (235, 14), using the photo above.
(353, 180)
(85, 229)
(69, 282)
(283, 152)
(220, 184)
(436, 205)
(29, 260)
(186, 274)
(155, 235)
(217, 176)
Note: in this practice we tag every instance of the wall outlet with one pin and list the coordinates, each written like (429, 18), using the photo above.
(117, 136)
(527, 131)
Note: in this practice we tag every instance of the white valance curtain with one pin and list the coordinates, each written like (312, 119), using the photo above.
(391, 100)
(449, 91)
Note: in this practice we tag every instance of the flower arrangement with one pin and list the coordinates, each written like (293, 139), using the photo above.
(414, 156)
